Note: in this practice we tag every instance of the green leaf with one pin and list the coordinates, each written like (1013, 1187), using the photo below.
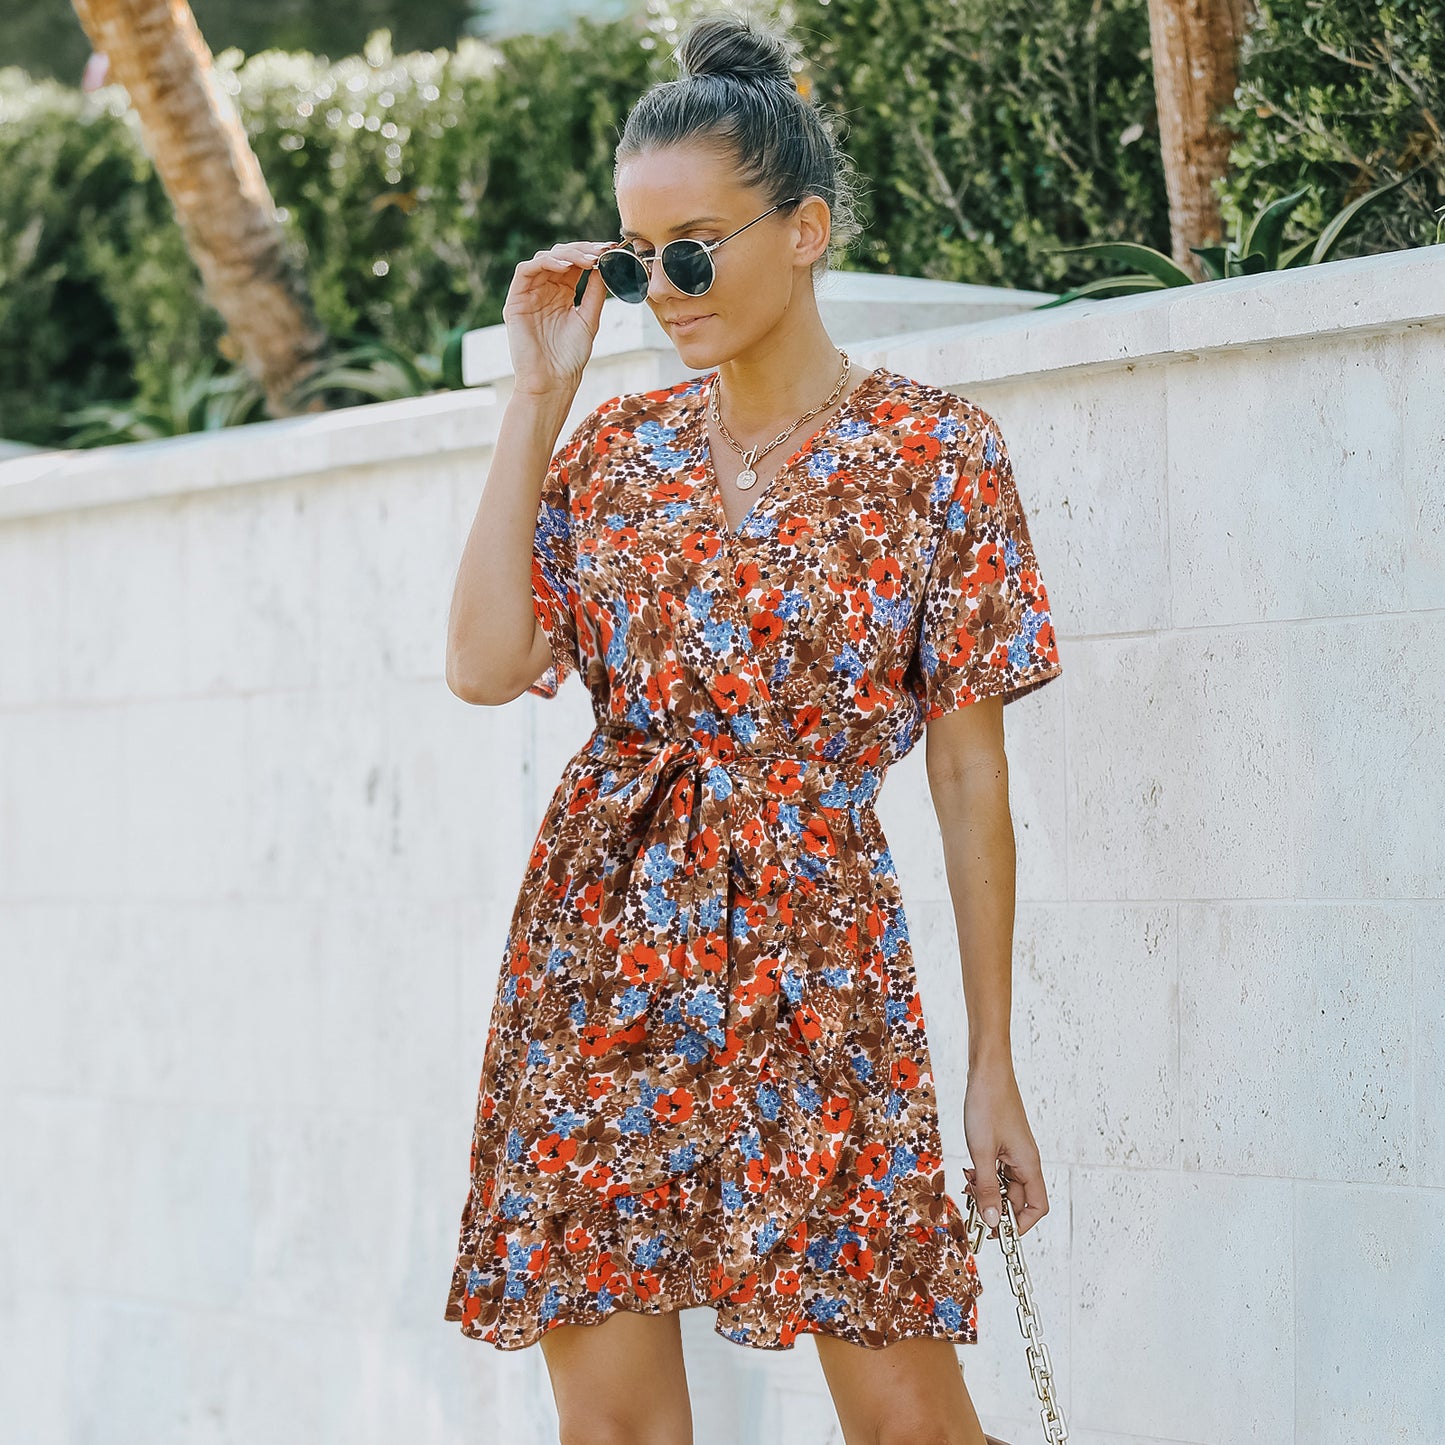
(1267, 228)
(1107, 286)
(1330, 236)
(1213, 261)
(1297, 255)
(1152, 262)
(452, 358)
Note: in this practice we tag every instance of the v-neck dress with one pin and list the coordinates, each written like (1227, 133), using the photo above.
(706, 1079)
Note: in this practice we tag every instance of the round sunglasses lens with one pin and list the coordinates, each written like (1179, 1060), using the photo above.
(688, 266)
(624, 274)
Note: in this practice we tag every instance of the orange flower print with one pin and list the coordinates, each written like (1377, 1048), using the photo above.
(700, 547)
(553, 1152)
(892, 413)
(675, 1107)
(794, 531)
(857, 1259)
(886, 575)
(730, 691)
(921, 449)
(765, 627)
(873, 1161)
(904, 1074)
(642, 964)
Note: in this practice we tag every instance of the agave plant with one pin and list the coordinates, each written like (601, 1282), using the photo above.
(1254, 248)
(200, 400)
(381, 372)
(204, 400)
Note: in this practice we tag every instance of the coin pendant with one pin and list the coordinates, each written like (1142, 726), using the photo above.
(746, 478)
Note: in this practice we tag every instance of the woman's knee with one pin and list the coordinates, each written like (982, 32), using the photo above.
(620, 1379)
(621, 1427)
(930, 1430)
(911, 1393)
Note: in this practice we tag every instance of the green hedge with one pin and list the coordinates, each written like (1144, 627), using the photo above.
(409, 188)
(45, 36)
(1343, 95)
(994, 131)
(988, 134)
(85, 232)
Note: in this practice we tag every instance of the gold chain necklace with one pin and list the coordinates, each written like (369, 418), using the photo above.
(753, 455)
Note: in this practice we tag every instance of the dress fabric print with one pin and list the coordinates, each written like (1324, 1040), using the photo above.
(706, 1078)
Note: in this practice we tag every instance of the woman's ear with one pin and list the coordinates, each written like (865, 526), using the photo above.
(814, 222)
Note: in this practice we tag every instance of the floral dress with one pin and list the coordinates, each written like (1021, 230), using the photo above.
(706, 1079)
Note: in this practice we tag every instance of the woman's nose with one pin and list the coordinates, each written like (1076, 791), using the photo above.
(657, 283)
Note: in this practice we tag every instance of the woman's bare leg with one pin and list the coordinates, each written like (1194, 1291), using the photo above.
(910, 1391)
(620, 1381)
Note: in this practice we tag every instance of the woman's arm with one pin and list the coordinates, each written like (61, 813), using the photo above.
(495, 647)
(968, 778)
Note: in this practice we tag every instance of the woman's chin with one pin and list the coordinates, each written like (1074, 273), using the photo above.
(695, 354)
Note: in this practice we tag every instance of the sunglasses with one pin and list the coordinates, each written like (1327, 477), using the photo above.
(686, 263)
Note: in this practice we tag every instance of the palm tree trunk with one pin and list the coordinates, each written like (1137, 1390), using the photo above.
(198, 145)
(1196, 59)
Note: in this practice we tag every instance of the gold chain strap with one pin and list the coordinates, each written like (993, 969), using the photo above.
(1040, 1367)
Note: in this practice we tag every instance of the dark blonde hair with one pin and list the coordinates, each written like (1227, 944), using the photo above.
(737, 93)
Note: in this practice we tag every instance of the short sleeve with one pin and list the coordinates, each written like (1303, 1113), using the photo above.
(556, 588)
(985, 628)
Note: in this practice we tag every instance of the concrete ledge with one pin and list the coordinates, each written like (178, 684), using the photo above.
(1359, 297)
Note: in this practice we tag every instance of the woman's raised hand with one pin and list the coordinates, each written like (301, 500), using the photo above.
(551, 339)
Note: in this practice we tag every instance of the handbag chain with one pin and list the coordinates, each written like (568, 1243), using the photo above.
(1040, 1366)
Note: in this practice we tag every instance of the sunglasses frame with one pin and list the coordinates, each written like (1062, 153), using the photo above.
(706, 247)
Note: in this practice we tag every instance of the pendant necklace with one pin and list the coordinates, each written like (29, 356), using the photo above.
(753, 455)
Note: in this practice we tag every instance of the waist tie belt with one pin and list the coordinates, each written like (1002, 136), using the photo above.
(698, 987)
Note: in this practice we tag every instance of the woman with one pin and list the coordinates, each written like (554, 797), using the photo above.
(707, 1078)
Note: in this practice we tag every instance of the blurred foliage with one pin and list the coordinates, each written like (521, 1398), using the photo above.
(200, 400)
(1255, 247)
(45, 38)
(993, 131)
(993, 139)
(1342, 96)
(94, 276)
(414, 184)
(409, 187)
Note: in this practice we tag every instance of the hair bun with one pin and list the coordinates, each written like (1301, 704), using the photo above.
(735, 46)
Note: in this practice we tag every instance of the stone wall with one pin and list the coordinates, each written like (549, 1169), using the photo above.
(257, 864)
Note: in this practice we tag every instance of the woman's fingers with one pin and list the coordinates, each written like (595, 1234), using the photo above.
(1030, 1200)
(1026, 1194)
(989, 1197)
(565, 256)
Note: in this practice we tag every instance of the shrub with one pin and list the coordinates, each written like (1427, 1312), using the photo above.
(409, 188)
(991, 136)
(89, 259)
(993, 131)
(1341, 96)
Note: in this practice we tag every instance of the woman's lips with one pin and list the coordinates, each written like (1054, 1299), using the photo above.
(683, 327)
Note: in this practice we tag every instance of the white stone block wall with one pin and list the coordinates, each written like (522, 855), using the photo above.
(257, 864)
